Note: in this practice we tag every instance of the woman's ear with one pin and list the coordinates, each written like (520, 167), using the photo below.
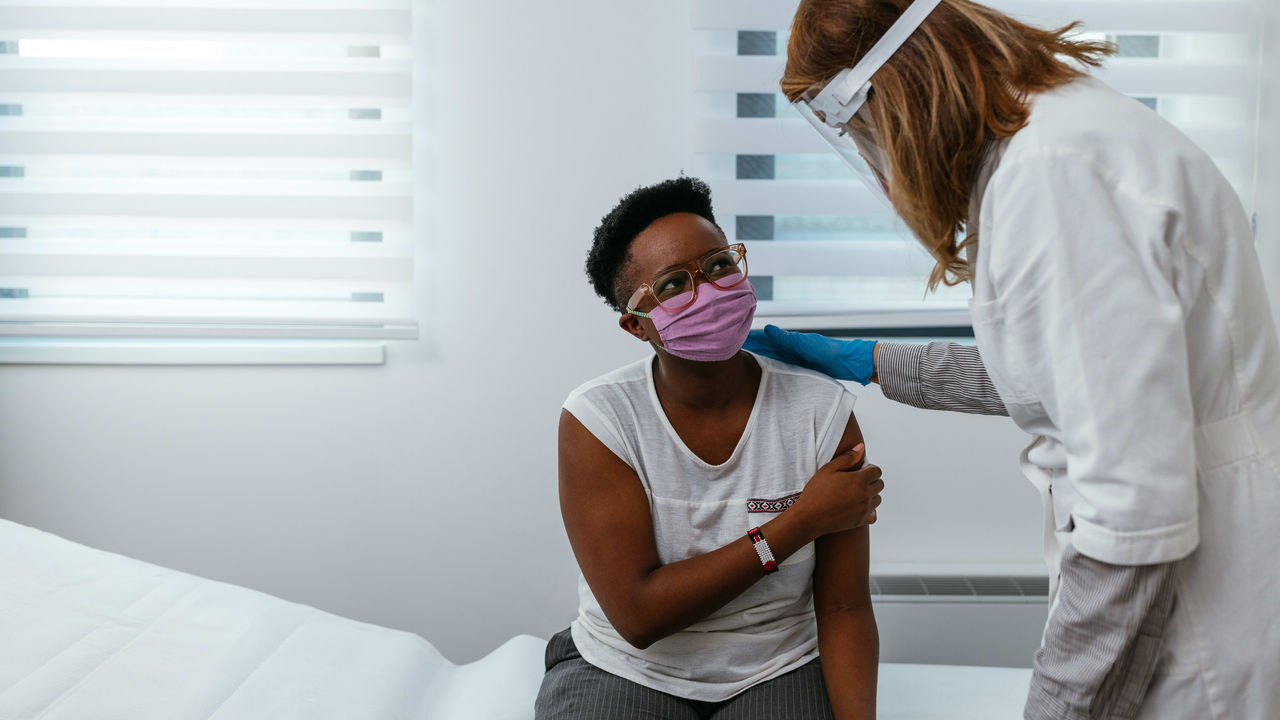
(632, 325)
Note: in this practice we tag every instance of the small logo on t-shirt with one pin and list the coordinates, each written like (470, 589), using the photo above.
(763, 505)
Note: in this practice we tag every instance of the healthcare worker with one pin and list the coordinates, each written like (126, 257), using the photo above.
(1120, 313)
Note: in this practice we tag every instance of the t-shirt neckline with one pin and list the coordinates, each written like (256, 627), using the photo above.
(675, 436)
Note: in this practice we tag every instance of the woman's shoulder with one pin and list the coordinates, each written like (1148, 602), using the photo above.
(796, 376)
(802, 398)
(624, 383)
(613, 407)
(800, 387)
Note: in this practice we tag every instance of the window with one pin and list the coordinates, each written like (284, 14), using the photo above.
(826, 253)
(187, 169)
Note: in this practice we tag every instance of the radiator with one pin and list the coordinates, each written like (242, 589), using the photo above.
(959, 619)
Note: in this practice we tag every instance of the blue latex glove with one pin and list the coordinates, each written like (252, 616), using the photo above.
(841, 359)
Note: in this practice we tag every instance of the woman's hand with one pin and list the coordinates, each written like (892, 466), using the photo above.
(841, 495)
(841, 359)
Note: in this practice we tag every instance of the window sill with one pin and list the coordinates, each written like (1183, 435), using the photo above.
(40, 351)
(912, 326)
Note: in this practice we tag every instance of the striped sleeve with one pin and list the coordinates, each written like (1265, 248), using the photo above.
(937, 376)
(1103, 640)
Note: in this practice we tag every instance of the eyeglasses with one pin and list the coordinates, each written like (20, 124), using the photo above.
(676, 287)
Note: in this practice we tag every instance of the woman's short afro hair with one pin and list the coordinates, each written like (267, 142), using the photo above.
(634, 213)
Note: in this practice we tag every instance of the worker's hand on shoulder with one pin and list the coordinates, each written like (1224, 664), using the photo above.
(841, 359)
(841, 495)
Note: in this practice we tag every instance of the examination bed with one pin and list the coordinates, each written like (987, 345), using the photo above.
(88, 635)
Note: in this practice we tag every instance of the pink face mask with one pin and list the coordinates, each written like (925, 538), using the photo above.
(713, 328)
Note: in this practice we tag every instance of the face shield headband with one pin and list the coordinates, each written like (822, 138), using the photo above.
(829, 107)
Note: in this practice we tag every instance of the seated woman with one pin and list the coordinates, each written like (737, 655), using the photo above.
(716, 501)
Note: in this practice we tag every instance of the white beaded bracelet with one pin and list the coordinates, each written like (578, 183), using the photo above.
(762, 549)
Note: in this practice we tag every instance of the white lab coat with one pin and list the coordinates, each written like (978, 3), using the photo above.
(1120, 311)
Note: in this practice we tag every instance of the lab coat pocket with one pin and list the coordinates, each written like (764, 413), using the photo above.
(1179, 651)
(1063, 501)
(1000, 354)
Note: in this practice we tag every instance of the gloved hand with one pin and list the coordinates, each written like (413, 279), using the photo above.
(841, 359)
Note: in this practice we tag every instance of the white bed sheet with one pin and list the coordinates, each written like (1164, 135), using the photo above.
(85, 634)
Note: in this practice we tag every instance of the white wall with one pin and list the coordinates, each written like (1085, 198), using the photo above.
(422, 494)
(1268, 192)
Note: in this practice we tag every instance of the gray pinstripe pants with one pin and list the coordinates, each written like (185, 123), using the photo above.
(574, 689)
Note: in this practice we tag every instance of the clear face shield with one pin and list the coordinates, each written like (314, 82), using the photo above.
(837, 108)
(855, 143)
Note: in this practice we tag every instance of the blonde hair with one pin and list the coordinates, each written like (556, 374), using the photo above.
(960, 82)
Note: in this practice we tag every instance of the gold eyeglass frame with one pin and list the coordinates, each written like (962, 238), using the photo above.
(694, 268)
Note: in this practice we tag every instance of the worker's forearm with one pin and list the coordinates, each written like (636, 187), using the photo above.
(1102, 640)
(937, 376)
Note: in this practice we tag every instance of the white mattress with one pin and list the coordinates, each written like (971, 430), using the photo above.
(88, 634)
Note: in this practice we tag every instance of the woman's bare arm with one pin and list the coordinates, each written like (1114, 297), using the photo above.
(848, 640)
(606, 514)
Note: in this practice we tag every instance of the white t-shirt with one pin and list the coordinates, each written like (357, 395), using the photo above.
(795, 427)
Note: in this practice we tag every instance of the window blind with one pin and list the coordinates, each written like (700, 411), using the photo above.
(824, 252)
(205, 169)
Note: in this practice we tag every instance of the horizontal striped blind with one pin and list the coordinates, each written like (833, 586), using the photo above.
(205, 168)
(824, 252)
